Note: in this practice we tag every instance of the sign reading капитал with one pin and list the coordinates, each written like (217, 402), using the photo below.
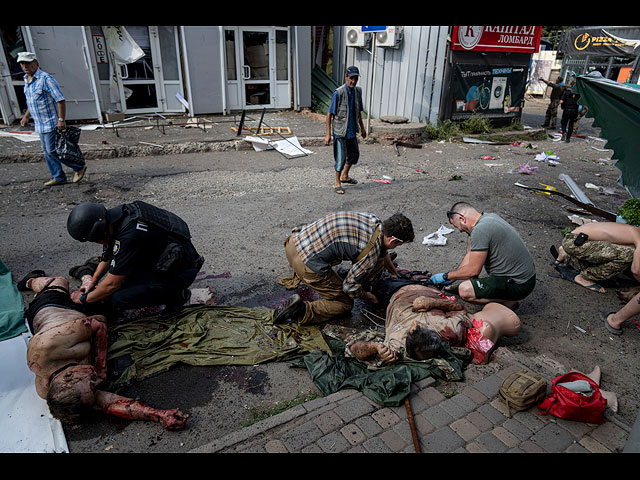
(497, 38)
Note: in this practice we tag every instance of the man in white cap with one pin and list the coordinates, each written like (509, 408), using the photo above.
(46, 106)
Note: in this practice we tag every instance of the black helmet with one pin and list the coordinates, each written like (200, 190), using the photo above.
(88, 221)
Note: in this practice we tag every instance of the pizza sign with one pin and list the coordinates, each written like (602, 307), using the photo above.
(497, 38)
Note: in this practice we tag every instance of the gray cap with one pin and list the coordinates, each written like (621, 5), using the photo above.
(353, 72)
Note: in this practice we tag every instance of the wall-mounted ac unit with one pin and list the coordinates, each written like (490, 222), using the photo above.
(390, 38)
(354, 37)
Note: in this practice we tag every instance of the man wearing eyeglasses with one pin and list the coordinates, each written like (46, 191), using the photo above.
(313, 249)
(499, 248)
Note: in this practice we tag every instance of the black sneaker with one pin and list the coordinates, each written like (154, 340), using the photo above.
(290, 311)
(22, 284)
(173, 309)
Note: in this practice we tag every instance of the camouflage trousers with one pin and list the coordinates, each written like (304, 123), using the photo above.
(552, 113)
(597, 260)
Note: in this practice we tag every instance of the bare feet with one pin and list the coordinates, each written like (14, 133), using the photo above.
(562, 255)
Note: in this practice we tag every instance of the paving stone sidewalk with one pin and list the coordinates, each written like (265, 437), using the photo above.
(474, 420)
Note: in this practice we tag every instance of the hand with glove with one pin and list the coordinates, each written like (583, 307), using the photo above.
(440, 279)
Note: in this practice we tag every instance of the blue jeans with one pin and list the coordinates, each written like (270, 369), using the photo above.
(54, 162)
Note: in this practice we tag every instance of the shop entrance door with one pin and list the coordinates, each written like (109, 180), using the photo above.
(256, 69)
(257, 62)
(150, 84)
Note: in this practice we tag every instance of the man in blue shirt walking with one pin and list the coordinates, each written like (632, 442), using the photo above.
(344, 120)
(46, 105)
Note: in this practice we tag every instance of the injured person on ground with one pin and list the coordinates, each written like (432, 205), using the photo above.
(419, 318)
(68, 355)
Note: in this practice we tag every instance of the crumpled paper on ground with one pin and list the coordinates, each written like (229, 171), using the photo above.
(437, 238)
(548, 157)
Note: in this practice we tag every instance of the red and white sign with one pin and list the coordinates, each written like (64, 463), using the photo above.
(497, 38)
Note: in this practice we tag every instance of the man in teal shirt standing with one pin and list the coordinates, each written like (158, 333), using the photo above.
(344, 121)
(496, 246)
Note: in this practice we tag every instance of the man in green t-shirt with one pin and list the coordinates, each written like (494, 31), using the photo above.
(496, 246)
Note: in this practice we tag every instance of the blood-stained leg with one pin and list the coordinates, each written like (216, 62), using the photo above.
(130, 409)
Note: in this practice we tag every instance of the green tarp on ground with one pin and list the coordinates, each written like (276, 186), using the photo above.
(204, 335)
(11, 306)
(615, 108)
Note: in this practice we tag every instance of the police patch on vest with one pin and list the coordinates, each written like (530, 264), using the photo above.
(116, 246)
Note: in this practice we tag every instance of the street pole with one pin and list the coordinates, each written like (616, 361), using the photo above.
(371, 81)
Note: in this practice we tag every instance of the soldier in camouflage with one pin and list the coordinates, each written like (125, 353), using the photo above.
(557, 90)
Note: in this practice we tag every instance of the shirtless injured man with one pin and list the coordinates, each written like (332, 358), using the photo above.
(419, 318)
(68, 354)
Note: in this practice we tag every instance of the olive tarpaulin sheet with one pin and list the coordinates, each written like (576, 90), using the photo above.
(615, 108)
(203, 335)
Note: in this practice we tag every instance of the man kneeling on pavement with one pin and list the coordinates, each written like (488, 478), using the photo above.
(497, 247)
(148, 258)
(420, 318)
(313, 249)
(68, 355)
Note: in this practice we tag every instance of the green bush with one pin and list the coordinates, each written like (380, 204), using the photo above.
(475, 124)
(630, 211)
(443, 131)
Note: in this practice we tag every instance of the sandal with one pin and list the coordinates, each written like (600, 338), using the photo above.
(338, 190)
(603, 317)
(352, 181)
(555, 254)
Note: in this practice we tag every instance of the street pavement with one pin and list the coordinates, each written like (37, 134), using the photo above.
(469, 419)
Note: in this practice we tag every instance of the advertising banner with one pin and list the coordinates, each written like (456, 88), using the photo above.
(488, 90)
(497, 38)
(599, 41)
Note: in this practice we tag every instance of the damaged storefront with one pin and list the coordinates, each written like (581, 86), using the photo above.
(487, 71)
(130, 70)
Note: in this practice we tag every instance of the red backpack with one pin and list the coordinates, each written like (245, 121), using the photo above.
(567, 404)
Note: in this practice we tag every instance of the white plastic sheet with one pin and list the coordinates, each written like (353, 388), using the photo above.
(288, 146)
(26, 425)
(122, 45)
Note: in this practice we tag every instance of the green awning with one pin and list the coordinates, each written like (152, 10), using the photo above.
(615, 108)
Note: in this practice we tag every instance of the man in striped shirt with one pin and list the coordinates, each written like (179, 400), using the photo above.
(46, 105)
(313, 249)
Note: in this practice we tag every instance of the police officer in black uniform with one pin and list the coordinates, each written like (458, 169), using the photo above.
(570, 108)
(148, 257)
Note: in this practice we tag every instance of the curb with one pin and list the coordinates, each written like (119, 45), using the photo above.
(170, 148)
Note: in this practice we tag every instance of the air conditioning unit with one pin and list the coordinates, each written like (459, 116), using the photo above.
(354, 37)
(390, 38)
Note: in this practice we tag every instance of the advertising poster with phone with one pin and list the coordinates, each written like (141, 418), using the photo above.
(494, 91)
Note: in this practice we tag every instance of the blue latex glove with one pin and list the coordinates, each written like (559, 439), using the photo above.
(438, 279)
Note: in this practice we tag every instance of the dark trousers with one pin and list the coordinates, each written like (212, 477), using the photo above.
(568, 117)
(152, 288)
